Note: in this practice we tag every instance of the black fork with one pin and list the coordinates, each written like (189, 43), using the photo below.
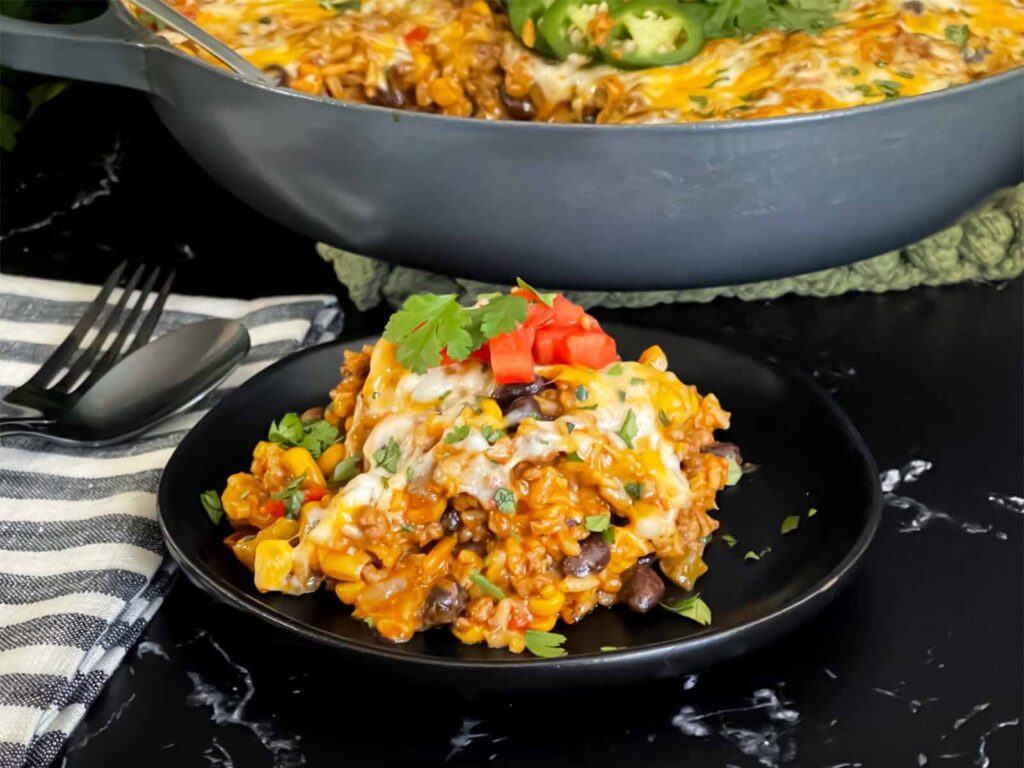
(49, 392)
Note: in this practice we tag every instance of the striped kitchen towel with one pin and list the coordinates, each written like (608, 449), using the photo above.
(82, 564)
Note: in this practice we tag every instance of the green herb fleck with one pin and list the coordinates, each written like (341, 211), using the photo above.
(958, 34)
(716, 81)
(547, 299)
(729, 540)
(615, 370)
(582, 394)
(734, 473)
(486, 586)
(693, 608)
(409, 474)
(491, 435)
(851, 71)
(406, 529)
(629, 429)
(812, 512)
(211, 503)
(457, 434)
(889, 88)
(265, 20)
(751, 555)
(340, 5)
(574, 456)
(547, 645)
(315, 437)
(700, 101)
(904, 74)
(635, 490)
(663, 418)
(791, 523)
(622, 396)
(610, 648)
(636, 380)
(569, 427)
(368, 621)
(346, 469)
(388, 456)
(506, 500)
(864, 89)
(292, 495)
(444, 394)
(597, 523)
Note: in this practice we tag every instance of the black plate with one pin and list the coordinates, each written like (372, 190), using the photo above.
(809, 454)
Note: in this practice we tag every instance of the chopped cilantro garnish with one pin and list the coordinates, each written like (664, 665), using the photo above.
(700, 101)
(904, 74)
(635, 490)
(368, 621)
(635, 380)
(852, 71)
(444, 394)
(597, 523)
(629, 429)
(569, 427)
(388, 456)
(265, 20)
(486, 586)
(609, 648)
(292, 495)
(547, 299)
(734, 473)
(889, 88)
(491, 435)
(622, 396)
(410, 473)
(751, 555)
(812, 512)
(693, 608)
(958, 34)
(211, 503)
(729, 540)
(346, 469)
(428, 323)
(582, 394)
(315, 437)
(739, 18)
(573, 456)
(406, 529)
(547, 645)
(791, 523)
(457, 434)
(506, 500)
(615, 370)
(663, 418)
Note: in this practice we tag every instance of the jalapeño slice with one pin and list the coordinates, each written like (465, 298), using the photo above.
(522, 11)
(653, 33)
(565, 26)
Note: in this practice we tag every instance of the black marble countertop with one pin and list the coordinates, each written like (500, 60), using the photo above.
(918, 663)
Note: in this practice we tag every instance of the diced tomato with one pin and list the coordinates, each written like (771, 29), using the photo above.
(483, 354)
(593, 349)
(273, 507)
(416, 35)
(589, 323)
(566, 313)
(315, 494)
(512, 356)
(539, 315)
(549, 345)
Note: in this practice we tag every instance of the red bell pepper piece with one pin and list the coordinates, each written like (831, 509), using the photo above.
(416, 35)
(273, 507)
(314, 494)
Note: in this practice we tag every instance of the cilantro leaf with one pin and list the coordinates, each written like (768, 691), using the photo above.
(635, 490)
(734, 473)
(569, 427)
(499, 315)
(346, 469)
(958, 34)
(729, 540)
(693, 608)
(574, 456)
(629, 429)
(292, 495)
(491, 435)
(581, 393)
(457, 434)
(388, 456)
(791, 523)
(889, 88)
(506, 501)
(615, 370)
(290, 431)
(547, 299)
(597, 523)
(547, 645)
(211, 503)
(426, 324)
(486, 586)
(663, 418)
(751, 555)
(812, 512)
(315, 437)
(319, 435)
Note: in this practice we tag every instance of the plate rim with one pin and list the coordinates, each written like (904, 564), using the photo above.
(763, 629)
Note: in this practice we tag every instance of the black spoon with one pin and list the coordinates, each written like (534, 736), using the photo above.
(144, 387)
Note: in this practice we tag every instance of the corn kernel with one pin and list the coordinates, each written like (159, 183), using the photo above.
(470, 635)
(343, 566)
(300, 462)
(273, 564)
(348, 591)
(544, 624)
(489, 407)
(546, 606)
(436, 561)
(329, 459)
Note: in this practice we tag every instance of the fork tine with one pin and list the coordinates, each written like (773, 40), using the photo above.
(67, 382)
(67, 348)
(149, 324)
(114, 351)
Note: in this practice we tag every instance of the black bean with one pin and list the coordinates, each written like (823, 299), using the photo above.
(725, 450)
(387, 97)
(647, 559)
(277, 74)
(450, 521)
(518, 109)
(445, 602)
(593, 557)
(642, 588)
(522, 408)
(507, 393)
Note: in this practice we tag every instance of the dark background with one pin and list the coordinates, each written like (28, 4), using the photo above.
(929, 633)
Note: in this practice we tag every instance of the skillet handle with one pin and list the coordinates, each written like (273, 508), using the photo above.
(104, 50)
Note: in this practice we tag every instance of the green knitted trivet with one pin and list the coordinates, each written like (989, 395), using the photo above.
(987, 244)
